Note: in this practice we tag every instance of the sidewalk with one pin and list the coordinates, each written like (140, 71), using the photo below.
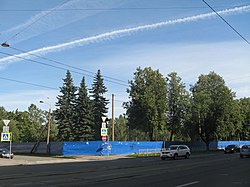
(32, 160)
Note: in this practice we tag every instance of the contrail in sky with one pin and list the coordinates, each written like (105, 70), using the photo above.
(120, 33)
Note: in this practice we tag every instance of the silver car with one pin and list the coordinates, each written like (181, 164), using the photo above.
(245, 151)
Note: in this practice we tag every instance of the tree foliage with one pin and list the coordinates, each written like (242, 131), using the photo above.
(99, 103)
(244, 105)
(121, 129)
(84, 117)
(209, 112)
(210, 99)
(178, 98)
(66, 109)
(147, 106)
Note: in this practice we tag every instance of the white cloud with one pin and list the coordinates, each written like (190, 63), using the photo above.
(54, 18)
(21, 100)
(228, 59)
(119, 33)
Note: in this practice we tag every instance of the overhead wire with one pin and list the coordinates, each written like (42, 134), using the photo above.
(56, 67)
(66, 65)
(111, 9)
(25, 28)
(28, 83)
(237, 32)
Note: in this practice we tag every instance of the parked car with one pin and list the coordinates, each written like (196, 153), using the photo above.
(245, 151)
(175, 151)
(5, 153)
(231, 149)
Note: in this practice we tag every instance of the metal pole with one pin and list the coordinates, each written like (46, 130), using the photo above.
(48, 135)
(10, 145)
(113, 126)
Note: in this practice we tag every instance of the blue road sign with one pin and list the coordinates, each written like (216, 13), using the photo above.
(5, 137)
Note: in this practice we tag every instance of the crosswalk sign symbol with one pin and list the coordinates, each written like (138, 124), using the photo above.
(5, 137)
(104, 131)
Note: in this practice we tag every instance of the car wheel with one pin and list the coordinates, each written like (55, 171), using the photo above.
(163, 158)
(187, 155)
(175, 156)
(241, 156)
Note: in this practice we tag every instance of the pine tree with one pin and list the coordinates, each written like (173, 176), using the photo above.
(65, 112)
(84, 117)
(99, 103)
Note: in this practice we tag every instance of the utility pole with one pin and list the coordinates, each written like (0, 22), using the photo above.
(49, 124)
(113, 125)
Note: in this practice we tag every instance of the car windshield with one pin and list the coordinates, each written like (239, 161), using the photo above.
(4, 150)
(173, 147)
(246, 147)
(231, 146)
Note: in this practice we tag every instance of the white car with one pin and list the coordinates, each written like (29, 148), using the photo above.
(175, 151)
(245, 151)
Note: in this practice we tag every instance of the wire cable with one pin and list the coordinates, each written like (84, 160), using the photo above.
(110, 9)
(56, 67)
(35, 21)
(66, 65)
(28, 83)
(227, 22)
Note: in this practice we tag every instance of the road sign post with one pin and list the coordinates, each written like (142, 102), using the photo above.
(6, 136)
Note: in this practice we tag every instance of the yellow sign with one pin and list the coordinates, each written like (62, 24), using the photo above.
(5, 137)
(104, 131)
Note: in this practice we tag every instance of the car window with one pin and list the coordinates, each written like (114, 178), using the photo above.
(181, 147)
(173, 147)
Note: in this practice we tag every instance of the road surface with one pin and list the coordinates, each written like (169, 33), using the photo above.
(214, 169)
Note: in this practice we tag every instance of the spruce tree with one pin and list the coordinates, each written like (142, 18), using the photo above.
(65, 112)
(84, 117)
(99, 103)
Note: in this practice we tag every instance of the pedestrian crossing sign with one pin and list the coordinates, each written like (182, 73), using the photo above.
(5, 137)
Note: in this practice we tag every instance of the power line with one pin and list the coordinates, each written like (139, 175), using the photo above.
(28, 83)
(110, 9)
(50, 11)
(66, 65)
(56, 67)
(226, 22)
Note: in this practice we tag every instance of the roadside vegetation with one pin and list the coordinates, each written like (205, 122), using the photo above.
(159, 107)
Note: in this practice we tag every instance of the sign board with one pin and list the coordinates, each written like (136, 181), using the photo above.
(104, 131)
(6, 122)
(5, 137)
(104, 138)
(6, 128)
(103, 125)
(104, 119)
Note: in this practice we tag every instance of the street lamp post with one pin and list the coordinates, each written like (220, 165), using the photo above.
(49, 124)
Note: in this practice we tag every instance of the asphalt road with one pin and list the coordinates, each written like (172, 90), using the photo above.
(216, 169)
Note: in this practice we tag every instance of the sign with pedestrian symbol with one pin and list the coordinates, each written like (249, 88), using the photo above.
(104, 131)
(5, 137)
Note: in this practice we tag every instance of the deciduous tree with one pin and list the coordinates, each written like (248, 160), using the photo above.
(146, 109)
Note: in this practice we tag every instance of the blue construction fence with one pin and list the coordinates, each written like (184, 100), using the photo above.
(112, 147)
(120, 147)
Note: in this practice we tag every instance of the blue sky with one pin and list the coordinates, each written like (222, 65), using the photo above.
(117, 36)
